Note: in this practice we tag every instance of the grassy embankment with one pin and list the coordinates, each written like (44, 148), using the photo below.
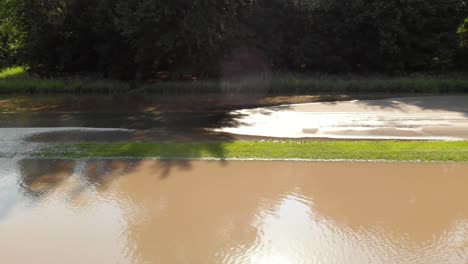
(16, 80)
(327, 150)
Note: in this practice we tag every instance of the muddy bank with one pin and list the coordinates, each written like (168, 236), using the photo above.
(232, 212)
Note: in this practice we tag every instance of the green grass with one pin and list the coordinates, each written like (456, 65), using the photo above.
(13, 73)
(16, 80)
(309, 150)
(356, 84)
(320, 85)
(40, 86)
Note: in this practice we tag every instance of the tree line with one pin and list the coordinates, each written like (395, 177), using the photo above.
(131, 39)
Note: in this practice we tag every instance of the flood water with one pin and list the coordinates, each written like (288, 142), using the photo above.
(110, 211)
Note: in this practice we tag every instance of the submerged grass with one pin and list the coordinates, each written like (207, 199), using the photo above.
(308, 150)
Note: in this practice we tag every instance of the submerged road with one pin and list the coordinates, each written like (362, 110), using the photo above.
(416, 118)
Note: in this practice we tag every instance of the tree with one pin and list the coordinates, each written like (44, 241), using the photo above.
(11, 35)
(132, 39)
(178, 34)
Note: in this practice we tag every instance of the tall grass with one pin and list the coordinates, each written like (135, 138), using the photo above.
(77, 86)
(16, 80)
(320, 85)
(411, 85)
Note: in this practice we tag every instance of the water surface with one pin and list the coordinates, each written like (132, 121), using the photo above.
(232, 212)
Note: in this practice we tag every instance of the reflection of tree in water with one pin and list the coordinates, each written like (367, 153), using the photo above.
(216, 212)
(191, 199)
(195, 215)
(100, 173)
(40, 177)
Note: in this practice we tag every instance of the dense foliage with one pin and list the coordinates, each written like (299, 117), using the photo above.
(130, 39)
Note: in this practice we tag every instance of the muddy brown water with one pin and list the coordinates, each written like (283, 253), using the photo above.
(109, 211)
(208, 118)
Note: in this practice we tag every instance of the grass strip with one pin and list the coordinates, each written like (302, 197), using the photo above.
(17, 80)
(308, 150)
(276, 86)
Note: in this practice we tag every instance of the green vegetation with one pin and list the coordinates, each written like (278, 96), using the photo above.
(327, 84)
(13, 73)
(75, 86)
(135, 39)
(229, 44)
(311, 150)
(16, 80)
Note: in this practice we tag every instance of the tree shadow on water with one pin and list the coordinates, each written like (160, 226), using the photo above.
(40, 177)
(449, 103)
(142, 127)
